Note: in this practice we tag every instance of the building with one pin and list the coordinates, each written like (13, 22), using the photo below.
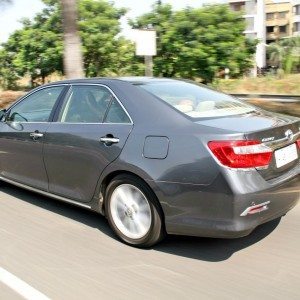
(282, 17)
(254, 14)
(296, 17)
(249, 8)
(268, 21)
(278, 20)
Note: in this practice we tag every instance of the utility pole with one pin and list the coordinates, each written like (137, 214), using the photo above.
(149, 65)
(261, 34)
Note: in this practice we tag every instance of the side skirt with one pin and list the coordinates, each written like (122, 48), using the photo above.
(53, 196)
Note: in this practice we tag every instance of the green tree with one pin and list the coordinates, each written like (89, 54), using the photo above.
(198, 42)
(99, 26)
(37, 48)
(276, 54)
(285, 54)
(8, 75)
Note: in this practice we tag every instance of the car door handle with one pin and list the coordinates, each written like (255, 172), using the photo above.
(36, 135)
(109, 140)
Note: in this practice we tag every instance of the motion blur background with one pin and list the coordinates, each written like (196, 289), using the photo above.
(237, 46)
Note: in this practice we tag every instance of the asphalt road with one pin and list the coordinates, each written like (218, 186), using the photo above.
(65, 252)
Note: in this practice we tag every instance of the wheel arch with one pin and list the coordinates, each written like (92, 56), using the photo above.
(111, 175)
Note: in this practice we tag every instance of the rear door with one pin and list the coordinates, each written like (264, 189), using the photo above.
(22, 137)
(87, 134)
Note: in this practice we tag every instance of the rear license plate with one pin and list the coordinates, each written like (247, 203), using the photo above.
(286, 155)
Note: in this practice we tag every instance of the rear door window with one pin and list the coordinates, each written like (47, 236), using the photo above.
(116, 114)
(86, 104)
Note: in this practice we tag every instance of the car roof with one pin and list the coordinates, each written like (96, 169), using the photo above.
(135, 80)
(144, 80)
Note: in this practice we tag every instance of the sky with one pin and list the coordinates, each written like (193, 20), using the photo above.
(11, 14)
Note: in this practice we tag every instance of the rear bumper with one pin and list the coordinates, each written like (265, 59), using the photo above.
(203, 211)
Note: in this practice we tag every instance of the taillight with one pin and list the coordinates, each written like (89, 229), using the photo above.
(241, 154)
(298, 142)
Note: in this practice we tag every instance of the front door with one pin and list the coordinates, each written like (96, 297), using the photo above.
(89, 133)
(22, 137)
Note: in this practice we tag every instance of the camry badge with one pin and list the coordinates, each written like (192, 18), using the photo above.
(289, 134)
(268, 139)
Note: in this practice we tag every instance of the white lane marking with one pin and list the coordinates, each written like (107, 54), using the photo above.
(20, 286)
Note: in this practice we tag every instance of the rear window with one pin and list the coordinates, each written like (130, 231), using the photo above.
(197, 101)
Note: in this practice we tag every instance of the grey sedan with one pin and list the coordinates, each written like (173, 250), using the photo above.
(155, 156)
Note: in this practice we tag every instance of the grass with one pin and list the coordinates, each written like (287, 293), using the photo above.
(289, 85)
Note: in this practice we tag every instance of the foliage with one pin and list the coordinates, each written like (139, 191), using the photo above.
(198, 42)
(8, 75)
(285, 54)
(37, 48)
(194, 43)
(105, 53)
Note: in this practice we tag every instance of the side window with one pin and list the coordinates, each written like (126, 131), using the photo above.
(116, 114)
(36, 107)
(85, 104)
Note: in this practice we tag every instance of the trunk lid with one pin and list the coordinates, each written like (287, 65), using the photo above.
(275, 130)
(278, 137)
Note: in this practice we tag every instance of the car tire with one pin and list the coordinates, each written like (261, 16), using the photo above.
(133, 211)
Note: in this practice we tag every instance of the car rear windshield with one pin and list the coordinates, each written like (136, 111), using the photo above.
(195, 100)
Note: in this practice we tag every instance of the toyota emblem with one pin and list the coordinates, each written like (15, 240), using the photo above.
(289, 134)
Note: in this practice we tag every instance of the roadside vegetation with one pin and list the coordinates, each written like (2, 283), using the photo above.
(36, 50)
(270, 84)
(195, 43)
(284, 55)
(287, 85)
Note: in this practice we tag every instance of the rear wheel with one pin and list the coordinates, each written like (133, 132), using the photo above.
(133, 211)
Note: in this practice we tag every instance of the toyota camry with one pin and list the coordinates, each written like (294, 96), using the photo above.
(154, 156)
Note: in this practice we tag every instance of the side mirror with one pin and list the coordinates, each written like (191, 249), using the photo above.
(2, 114)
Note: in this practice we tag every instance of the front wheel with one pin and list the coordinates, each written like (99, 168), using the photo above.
(133, 212)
